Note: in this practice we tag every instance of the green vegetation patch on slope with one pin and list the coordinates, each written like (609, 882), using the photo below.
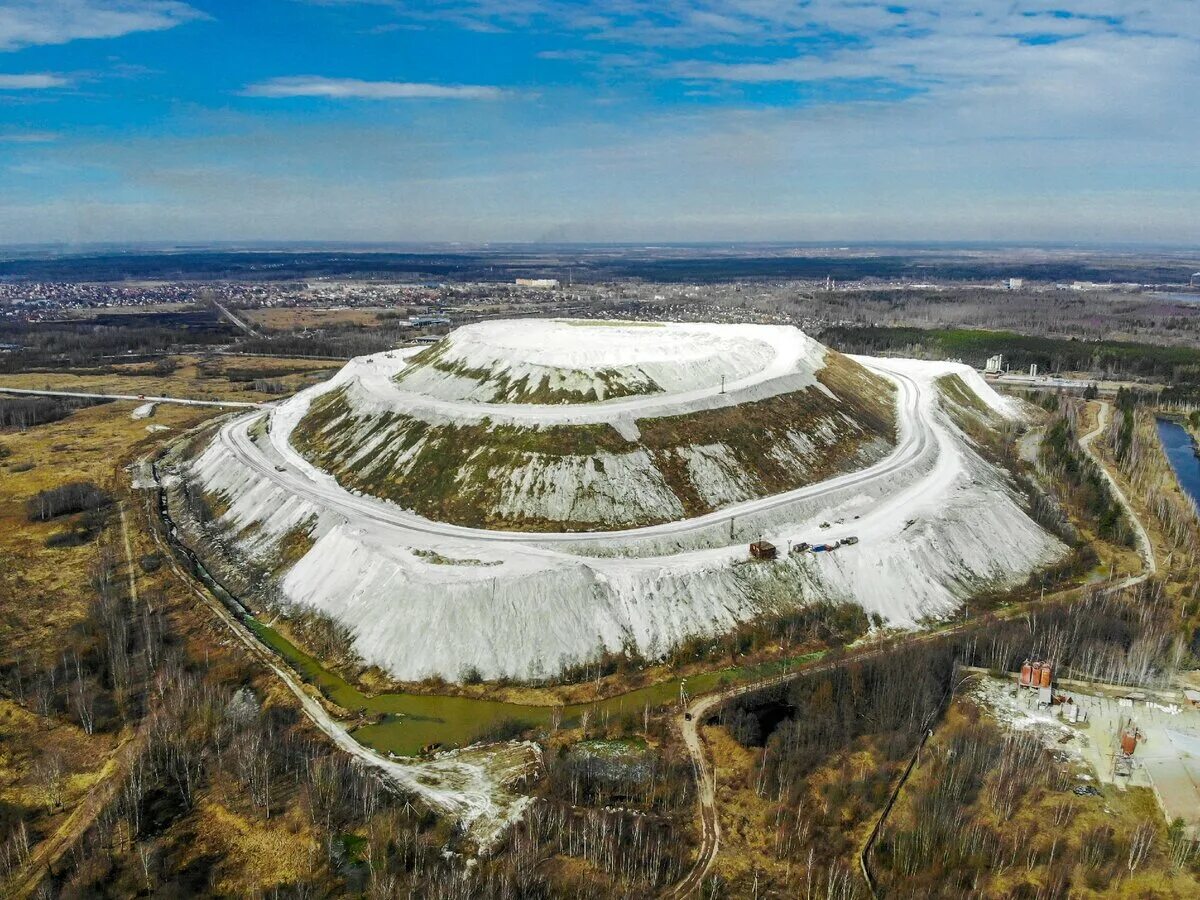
(443, 472)
(955, 390)
(294, 545)
(973, 416)
(863, 405)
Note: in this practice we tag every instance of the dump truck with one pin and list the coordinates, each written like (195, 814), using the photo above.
(763, 550)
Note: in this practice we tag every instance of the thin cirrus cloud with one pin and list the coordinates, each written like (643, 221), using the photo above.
(32, 81)
(356, 89)
(29, 23)
(28, 137)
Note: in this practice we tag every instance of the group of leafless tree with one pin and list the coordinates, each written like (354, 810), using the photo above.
(946, 843)
(91, 680)
(28, 412)
(881, 706)
(65, 499)
(208, 734)
(1130, 637)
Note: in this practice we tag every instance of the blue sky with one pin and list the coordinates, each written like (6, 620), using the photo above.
(623, 120)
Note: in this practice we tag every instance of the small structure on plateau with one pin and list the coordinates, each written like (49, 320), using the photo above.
(763, 550)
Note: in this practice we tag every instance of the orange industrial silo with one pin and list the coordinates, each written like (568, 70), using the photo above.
(1026, 674)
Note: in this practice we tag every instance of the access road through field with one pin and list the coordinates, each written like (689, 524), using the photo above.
(137, 398)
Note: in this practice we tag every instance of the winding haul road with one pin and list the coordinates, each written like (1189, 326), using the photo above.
(289, 470)
(689, 723)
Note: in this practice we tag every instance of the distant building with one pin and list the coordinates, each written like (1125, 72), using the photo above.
(425, 321)
(537, 282)
(1015, 284)
(1033, 370)
(995, 364)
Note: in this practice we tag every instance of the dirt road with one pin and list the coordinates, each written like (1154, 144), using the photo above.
(141, 398)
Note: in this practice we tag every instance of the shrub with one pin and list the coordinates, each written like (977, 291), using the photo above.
(27, 412)
(72, 537)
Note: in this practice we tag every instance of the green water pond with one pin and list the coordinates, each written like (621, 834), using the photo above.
(411, 722)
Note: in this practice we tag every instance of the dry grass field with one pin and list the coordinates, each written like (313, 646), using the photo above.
(238, 378)
(295, 318)
(42, 589)
(48, 761)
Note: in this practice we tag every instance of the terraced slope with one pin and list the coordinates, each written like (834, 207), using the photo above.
(936, 522)
(823, 414)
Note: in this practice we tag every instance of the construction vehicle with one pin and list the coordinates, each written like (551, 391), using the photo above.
(763, 550)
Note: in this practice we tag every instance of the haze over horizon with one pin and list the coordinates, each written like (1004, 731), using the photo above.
(615, 120)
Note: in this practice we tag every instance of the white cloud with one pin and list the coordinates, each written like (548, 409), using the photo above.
(31, 81)
(699, 23)
(353, 88)
(26, 23)
(1027, 124)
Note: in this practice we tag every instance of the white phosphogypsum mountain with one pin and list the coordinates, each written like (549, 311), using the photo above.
(436, 594)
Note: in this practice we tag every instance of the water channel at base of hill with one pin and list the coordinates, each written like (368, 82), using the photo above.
(413, 721)
(409, 723)
(1181, 452)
